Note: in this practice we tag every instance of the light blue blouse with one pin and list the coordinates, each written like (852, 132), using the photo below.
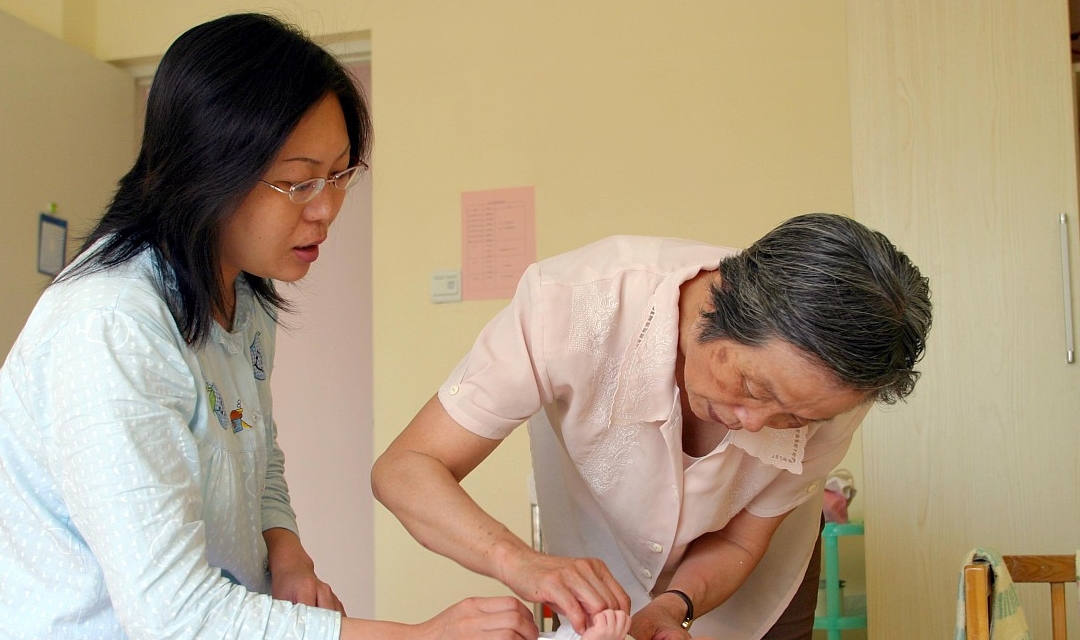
(137, 474)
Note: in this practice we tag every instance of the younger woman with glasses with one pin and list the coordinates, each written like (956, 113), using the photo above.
(141, 486)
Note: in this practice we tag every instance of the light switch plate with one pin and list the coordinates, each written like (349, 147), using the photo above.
(446, 286)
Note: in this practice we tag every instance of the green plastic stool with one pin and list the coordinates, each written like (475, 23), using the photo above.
(832, 621)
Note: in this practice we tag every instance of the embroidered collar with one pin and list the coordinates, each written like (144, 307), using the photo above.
(781, 448)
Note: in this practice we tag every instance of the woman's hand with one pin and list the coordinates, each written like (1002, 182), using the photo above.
(661, 619)
(301, 586)
(502, 618)
(292, 573)
(577, 588)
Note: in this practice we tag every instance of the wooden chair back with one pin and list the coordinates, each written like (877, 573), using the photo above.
(978, 595)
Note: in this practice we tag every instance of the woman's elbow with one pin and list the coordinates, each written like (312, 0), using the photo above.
(381, 473)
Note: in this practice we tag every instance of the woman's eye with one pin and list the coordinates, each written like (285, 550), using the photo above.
(302, 187)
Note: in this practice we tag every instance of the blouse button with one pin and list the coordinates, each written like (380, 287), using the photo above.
(646, 573)
(812, 488)
(454, 389)
(656, 548)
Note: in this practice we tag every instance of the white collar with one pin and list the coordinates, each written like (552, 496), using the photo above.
(781, 448)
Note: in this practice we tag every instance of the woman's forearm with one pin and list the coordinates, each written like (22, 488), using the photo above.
(428, 500)
(418, 479)
(718, 563)
(713, 568)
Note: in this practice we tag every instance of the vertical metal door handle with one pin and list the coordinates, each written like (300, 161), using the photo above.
(1066, 288)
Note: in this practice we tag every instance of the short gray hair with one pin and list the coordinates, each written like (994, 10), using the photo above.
(837, 290)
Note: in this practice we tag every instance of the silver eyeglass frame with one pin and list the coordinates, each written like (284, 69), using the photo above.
(308, 190)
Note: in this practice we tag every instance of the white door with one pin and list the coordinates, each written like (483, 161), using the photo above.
(964, 154)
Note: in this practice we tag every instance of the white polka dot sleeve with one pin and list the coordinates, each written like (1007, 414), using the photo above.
(120, 395)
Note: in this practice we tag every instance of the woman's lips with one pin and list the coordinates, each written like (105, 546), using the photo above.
(307, 254)
(712, 414)
(716, 418)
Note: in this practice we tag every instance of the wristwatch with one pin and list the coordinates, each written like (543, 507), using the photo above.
(689, 619)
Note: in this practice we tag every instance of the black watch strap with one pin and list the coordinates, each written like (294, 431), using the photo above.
(689, 619)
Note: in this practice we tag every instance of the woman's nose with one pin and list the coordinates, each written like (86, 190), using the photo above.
(323, 207)
(750, 419)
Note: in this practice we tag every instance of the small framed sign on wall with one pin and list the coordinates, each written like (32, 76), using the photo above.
(52, 244)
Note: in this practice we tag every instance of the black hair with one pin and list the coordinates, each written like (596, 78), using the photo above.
(840, 292)
(226, 96)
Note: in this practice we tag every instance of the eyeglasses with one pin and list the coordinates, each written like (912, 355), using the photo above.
(306, 191)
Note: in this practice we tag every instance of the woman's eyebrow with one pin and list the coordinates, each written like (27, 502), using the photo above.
(308, 160)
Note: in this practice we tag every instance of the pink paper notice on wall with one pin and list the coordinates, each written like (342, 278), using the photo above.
(498, 241)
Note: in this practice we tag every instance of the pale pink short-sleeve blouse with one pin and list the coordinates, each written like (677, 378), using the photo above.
(586, 353)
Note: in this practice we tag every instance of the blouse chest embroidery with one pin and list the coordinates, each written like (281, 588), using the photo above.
(592, 312)
(603, 467)
(622, 385)
(650, 362)
(592, 315)
(605, 382)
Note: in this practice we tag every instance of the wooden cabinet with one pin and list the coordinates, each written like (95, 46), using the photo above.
(964, 153)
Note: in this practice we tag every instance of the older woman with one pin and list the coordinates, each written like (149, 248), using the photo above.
(685, 403)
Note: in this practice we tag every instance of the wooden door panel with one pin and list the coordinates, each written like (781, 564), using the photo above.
(964, 153)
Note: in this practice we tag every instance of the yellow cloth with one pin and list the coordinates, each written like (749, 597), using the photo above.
(1007, 621)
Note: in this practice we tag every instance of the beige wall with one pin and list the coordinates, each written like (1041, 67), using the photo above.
(46, 15)
(712, 120)
(55, 146)
(73, 21)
